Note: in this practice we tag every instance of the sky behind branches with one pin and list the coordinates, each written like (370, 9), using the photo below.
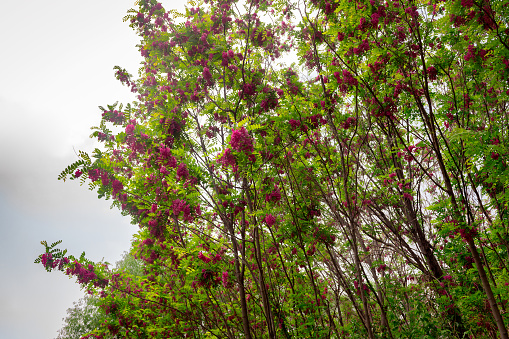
(56, 67)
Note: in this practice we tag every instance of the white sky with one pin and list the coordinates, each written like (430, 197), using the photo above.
(56, 67)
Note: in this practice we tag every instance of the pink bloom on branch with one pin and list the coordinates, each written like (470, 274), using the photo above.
(93, 174)
(294, 123)
(182, 206)
(224, 278)
(467, 3)
(153, 208)
(273, 196)
(129, 129)
(227, 159)
(482, 54)
(117, 187)
(207, 75)
(470, 54)
(241, 141)
(182, 171)
(204, 258)
(366, 202)
(432, 73)
(105, 181)
(375, 17)
(47, 260)
(408, 196)
(78, 173)
(270, 220)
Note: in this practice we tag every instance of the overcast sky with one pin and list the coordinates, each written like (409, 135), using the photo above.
(56, 67)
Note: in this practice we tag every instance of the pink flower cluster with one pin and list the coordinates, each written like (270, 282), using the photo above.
(182, 206)
(228, 159)
(166, 157)
(432, 73)
(129, 130)
(241, 141)
(471, 53)
(346, 80)
(227, 56)
(270, 220)
(182, 171)
(247, 90)
(224, 278)
(348, 123)
(207, 76)
(294, 123)
(214, 259)
(117, 186)
(273, 196)
(467, 3)
(86, 275)
(363, 47)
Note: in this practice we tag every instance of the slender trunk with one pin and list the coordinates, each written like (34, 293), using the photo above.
(369, 324)
(239, 275)
(471, 245)
(263, 289)
(487, 289)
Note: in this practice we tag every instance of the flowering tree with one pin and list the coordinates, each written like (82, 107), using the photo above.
(361, 193)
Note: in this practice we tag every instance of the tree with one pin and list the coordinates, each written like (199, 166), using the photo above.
(82, 318)
(360, 194)
(85, 315)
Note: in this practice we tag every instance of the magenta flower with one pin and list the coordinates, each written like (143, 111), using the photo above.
(105, 181)
(129, 129)
(467, 3)
(227, 159)
(294, 123)
(204, 258)
(408, 196)
(273, 196)
(207, 75)
(470, 54)
(241, 141)
(224, 278)
(182, 171)
(117, 187)
(47, 260)
(93, 174)
(270, 220)
(182, 206)
(432, 73)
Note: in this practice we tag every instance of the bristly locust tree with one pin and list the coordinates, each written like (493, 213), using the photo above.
(361, 193)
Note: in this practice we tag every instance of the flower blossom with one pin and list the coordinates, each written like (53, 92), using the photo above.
(270, 220)
(241, 141)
